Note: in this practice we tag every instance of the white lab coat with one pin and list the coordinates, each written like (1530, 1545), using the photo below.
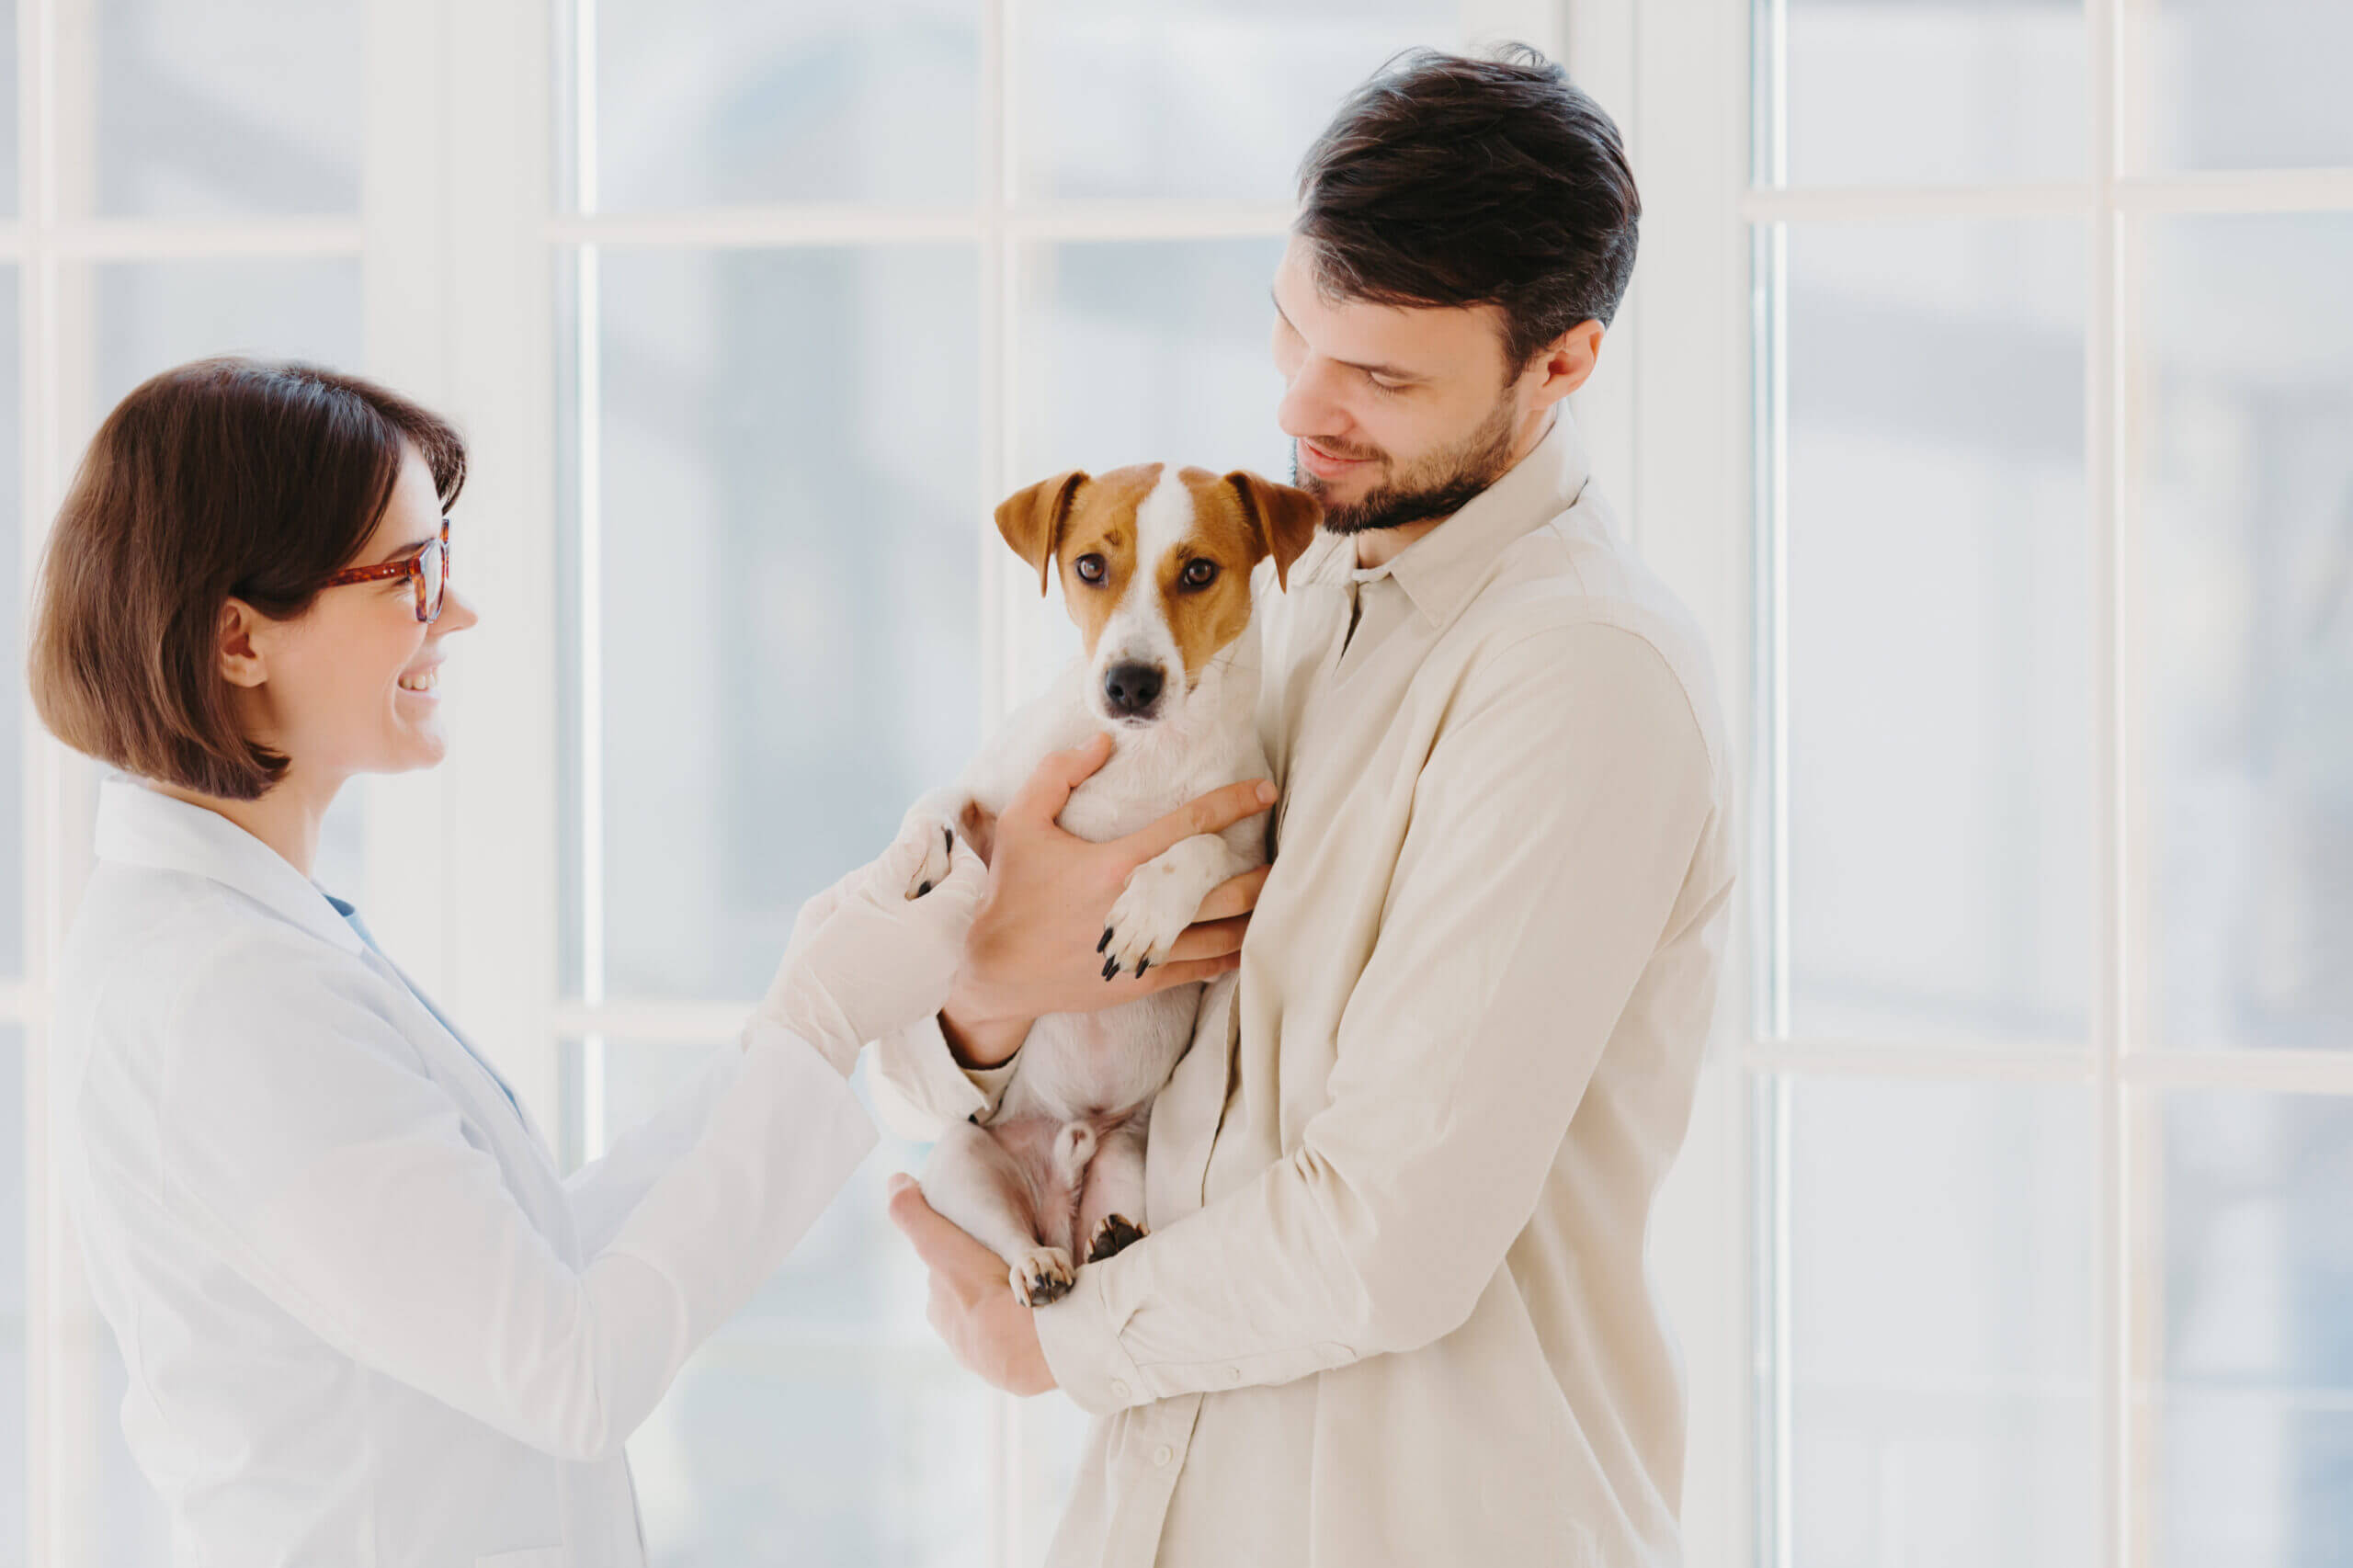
(365, 1322)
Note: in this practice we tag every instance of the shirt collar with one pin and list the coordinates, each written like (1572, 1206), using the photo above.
(1441, 570)
(140, 826)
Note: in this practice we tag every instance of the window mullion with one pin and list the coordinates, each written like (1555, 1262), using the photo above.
(2111, 1338)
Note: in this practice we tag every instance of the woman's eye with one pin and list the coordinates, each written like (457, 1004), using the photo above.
(1199, 573)
(1089, 568)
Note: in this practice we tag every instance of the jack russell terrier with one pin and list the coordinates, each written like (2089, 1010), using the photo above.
(1156, 564)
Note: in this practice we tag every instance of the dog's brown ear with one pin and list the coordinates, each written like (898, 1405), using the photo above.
(1031, 520)
(1285, 518)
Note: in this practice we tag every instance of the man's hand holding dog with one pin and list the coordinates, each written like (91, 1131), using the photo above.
(984, 1325)
(1034, 944)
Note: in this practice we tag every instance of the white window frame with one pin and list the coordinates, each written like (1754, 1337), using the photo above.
(1712, 516)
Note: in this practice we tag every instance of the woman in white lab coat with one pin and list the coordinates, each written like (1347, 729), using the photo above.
(366, 1320)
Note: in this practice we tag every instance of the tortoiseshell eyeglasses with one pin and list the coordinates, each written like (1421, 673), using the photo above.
(428, 568)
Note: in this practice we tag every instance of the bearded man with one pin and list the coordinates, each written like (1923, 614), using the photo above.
(1393, 1308)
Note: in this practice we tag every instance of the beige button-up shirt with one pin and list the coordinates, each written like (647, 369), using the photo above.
(1393, 1308)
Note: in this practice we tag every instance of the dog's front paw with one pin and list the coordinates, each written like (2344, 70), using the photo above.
(936, 861)
(1158, 902)
(1042, 1275)
(1114, 1233)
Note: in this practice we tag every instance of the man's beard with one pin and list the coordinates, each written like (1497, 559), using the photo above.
(1436, 485)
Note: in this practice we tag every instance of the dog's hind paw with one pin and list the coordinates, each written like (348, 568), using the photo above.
(1041, 1276)
(1113, 1233)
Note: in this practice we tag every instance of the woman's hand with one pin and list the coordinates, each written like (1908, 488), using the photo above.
(1034, 946)
(971, 1307)
(864, 957)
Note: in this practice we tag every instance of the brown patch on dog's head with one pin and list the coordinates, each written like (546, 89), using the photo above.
(1238, 520)
(1074, 518)
(1199, 583)
(1031, 519)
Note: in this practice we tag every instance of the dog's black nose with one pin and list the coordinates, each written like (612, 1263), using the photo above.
(1131, 688)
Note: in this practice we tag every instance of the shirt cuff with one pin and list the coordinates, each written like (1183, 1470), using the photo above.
(1079, 1336)
(916, 1065)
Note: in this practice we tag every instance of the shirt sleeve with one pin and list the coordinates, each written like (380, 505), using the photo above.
(919, 1087)
(304, 1139)
(1554, 826)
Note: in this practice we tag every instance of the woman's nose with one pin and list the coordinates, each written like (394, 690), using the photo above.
(457, 612)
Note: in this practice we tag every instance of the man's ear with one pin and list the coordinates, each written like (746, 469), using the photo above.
(1031, 520)
(1567, 362)
(1285, 518)
(244, 661)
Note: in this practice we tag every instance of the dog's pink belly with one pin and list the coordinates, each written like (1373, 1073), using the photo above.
(1081, 1066)
(1096, 1069)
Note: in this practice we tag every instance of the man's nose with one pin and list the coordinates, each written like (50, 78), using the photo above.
(1131, 688)
(1308, 407)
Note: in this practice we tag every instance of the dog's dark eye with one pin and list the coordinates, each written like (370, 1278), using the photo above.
(1199, 573)
(1089, 568)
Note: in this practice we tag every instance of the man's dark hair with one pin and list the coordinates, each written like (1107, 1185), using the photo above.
(1452, 181)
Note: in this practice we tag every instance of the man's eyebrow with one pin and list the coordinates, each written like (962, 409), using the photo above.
(1388, 373)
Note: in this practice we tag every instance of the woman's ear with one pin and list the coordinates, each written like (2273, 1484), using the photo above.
(243, 644)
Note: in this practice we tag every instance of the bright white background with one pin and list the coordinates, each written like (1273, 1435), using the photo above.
(1984, 388)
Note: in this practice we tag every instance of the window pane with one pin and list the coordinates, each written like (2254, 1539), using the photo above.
(2243, 588)
(790, 520)
(154, 314)
(1205, 98)
(2251, 1268)
(1937, 628)
(2244, 84)
(228, 108)
(9, 132)
(12, 1291)
(1194, 311)
(825, 1423)
(701, 102)
(1940, 1291)
(1933, 91)
(12, 632)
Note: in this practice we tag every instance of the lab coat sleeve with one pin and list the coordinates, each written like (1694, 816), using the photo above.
(607, 1190)
(1552, 828)
(301, 1135)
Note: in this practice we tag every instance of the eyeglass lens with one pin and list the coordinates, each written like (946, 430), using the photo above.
(433, 575)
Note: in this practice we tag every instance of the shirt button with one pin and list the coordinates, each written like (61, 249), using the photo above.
(1119, 1390)
(1163, 1454)
(1233, 1374)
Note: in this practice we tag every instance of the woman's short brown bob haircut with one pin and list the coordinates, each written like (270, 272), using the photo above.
(226, 478)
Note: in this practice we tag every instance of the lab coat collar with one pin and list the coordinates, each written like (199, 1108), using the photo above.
(1442, 569)
(140, 826)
